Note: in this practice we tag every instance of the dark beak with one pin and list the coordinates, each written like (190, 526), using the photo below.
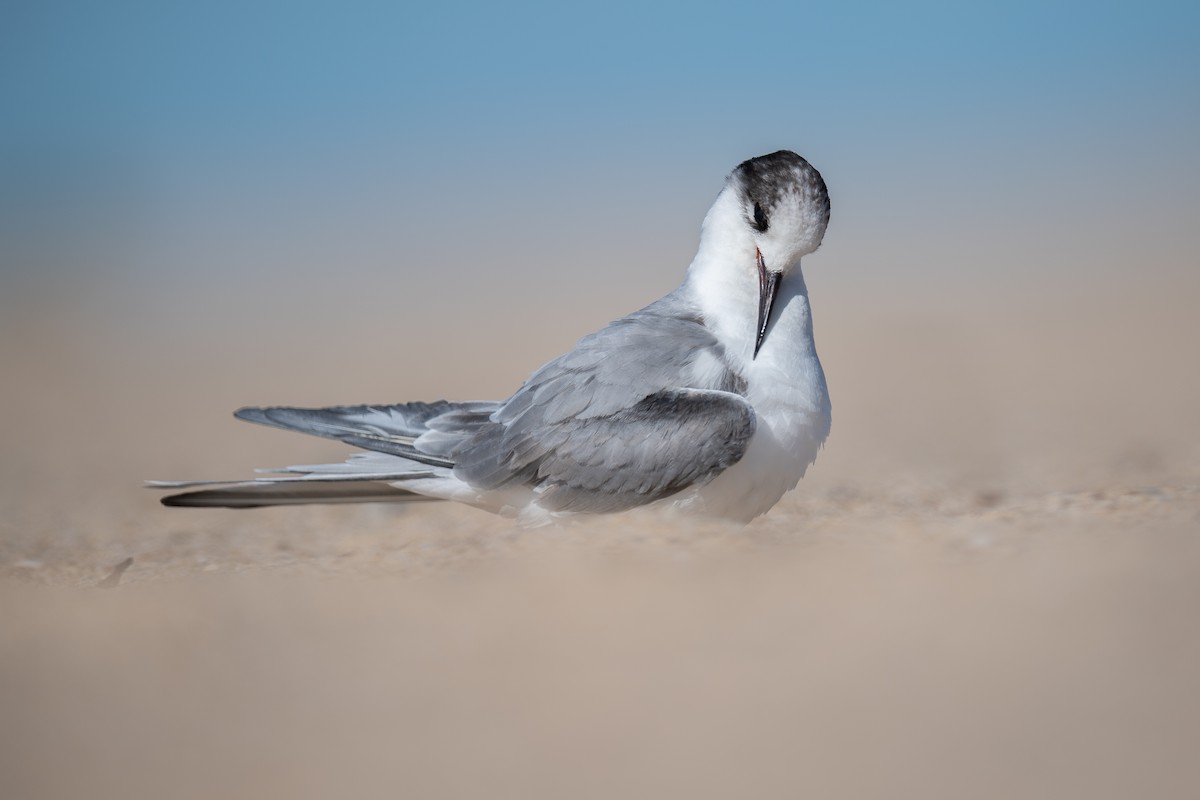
(768, 283)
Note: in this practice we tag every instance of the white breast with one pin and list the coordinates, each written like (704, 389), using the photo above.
(786, 386)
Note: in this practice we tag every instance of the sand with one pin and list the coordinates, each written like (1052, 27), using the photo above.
(988, 585)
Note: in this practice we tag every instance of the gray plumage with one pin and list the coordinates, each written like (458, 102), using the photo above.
(259, 495)
(623, 419)
(382, 428)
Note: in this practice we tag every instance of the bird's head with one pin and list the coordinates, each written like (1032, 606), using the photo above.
(784, 205)
(772, 212)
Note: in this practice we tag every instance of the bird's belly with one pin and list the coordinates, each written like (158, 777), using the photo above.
(774, 463)
(787, 389)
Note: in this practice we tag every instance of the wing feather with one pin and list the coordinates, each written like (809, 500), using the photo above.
(620, 421)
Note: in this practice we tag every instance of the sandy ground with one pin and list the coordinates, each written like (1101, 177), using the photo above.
(988, 586)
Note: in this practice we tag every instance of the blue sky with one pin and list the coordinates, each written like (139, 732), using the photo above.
(213, 82)
(162, 139)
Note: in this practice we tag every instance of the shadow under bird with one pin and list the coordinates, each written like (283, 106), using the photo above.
(710, 400)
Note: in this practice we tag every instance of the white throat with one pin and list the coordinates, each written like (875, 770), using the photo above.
(723, 281)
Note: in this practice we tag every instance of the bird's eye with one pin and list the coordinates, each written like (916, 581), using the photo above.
(760, 218)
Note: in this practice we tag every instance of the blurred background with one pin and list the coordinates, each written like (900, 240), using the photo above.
(281, 198)
(204, 206)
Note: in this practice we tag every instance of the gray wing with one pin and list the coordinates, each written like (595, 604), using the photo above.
(388, 429)
(626, 418)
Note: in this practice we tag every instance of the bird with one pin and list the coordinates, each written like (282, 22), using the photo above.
(710, 401)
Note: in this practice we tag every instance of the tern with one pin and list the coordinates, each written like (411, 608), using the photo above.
(711, 400)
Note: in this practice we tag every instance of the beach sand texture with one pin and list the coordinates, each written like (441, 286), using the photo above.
(987, 586)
